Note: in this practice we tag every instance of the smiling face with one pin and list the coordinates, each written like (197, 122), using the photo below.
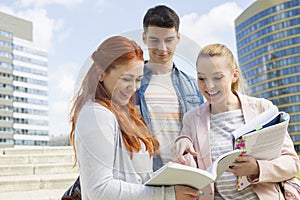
(123, 80)
(161, 43)
(215, 77)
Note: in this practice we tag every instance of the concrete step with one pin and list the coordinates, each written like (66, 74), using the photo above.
(36, 169)
(55, 168)
(13, 159)
(36, 158)
(51, 158)
(36, 182)
(11, 170)
(30, 169)
(45, 194)
(36, 150)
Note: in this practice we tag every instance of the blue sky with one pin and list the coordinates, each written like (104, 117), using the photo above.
(71, 29)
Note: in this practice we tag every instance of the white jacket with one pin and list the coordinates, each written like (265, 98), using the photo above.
(106, 170)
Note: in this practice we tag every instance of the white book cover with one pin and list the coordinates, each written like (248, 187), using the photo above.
(178, 174)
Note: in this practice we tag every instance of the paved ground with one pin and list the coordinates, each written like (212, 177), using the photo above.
(33, 195)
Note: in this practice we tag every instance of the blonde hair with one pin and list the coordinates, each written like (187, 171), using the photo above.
(212, 50)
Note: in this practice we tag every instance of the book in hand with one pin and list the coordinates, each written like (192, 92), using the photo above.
(261, 138)
(178, 174)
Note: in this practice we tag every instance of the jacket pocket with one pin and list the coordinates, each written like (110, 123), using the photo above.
(193, 99)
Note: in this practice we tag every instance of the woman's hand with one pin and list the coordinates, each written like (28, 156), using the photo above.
(244, 166)
(182, 146)
(186, 193)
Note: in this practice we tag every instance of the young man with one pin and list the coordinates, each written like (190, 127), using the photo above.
(166, 93)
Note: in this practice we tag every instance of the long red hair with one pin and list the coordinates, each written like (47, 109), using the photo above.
(114, 51)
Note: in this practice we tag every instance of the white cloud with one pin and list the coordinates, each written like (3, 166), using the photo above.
(59, 115)
(63, 78)
(43, 26)
(42, 3)
(101, 3)
(66, 83)
(6, 9)
(63, 35)
(62, 81)
(215, 26)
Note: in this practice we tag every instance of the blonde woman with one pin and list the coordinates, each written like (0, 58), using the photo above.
(206, 132)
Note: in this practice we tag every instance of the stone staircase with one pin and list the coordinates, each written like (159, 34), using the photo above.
(39, 173)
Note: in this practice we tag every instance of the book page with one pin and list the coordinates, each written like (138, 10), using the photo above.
(265, 144)
(223, 162)
(256, 123)
(178, 174)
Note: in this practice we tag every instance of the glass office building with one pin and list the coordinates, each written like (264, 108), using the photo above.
(23, 85)
(268, 47)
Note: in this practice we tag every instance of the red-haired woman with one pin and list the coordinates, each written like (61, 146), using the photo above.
(114, 149)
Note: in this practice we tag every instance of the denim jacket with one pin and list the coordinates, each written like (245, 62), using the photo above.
(185, 86)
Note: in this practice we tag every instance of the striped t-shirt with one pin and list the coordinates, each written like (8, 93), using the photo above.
(222, 125)
(164, 109)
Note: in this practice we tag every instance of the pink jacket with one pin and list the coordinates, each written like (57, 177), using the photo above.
(196, 125)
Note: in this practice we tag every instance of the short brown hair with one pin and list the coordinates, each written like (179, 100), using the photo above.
(161, 16)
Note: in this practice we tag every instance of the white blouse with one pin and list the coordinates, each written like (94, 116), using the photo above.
(106, 169)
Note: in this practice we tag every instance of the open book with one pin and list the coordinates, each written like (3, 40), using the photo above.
(178, 174)
(261, 138)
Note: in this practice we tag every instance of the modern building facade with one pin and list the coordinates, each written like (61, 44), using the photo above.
(268, 47)
(23, 85)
